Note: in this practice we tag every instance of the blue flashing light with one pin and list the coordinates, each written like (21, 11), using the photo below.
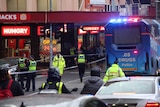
(124, 20)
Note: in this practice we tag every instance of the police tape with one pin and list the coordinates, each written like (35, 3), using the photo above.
(27, 72)
(42, 70)
(66, 56)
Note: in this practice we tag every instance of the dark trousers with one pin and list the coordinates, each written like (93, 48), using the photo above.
(81, 68)
(30, 77)
(21, 77)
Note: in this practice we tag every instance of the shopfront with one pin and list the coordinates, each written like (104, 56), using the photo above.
(21, 32)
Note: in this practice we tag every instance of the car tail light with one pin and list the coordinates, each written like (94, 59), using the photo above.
(154, 104)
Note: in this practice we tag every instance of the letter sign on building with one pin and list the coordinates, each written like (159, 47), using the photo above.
(15, 30)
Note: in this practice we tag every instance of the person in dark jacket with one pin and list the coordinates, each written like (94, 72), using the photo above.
(93, 83)
(54, 82)
(5, 77)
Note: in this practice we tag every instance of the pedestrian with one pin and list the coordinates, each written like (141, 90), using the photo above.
(31, 74)
(8, 87)
(94, 82)
(22, 67)
(81, 60)
(72, 56)
(53, 82)
(59, 62)
(113, 72)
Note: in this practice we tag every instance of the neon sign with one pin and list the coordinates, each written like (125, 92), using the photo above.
(15, 30)
(93, 28)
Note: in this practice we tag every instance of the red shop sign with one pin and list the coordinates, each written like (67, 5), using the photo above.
(15, 30)
(14, 16)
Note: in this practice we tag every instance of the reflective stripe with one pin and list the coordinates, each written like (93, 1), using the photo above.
(59, 87)
(43, 85)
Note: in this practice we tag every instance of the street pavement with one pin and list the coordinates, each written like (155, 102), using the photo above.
(70, 79)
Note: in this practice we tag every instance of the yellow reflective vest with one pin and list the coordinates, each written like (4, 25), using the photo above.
(58, 86)
(21, 62)
(81, 58)
(72, 51)
(59, 63)
(113, 72)
(32, 65)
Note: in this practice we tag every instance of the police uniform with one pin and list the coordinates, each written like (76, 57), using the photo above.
(113, 72)
(81, 65)
(72, 56)
(22, 66)
(59, 62)
(31, 76)
(53, 82)
(59, 86)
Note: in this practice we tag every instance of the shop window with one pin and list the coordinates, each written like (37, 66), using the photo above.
(135, 8)
(16, 5)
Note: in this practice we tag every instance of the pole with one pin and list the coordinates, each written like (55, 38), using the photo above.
(51, 39)
(157, 2)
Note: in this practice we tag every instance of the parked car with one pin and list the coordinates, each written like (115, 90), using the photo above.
(12, 64)
(9, 62)
(53, 100)
(138, 91)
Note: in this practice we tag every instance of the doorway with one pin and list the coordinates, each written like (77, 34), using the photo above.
(17, 47)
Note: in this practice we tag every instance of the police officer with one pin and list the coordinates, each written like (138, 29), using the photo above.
(31, 74)
(53, 82)
(72, 55)
(81, 64)
(113, 72)
(59, 62)
(22, 66)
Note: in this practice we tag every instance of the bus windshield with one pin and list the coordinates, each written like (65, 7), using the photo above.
(126, 35)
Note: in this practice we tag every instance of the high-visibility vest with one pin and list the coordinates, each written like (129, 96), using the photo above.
(59, 63)
(58, 86)
(21, 62)
(32, 65)
(81, 58)
(113, 72)
(72, 51)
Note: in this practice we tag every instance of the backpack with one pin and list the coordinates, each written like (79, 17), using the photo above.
(6, 93)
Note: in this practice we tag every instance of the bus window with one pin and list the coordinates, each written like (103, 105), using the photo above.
(124, 35)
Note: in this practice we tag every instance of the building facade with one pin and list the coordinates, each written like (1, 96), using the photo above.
(21, 30)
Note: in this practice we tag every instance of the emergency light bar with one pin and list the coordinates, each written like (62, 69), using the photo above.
(124, 20)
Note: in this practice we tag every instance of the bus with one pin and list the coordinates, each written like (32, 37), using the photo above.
(134, 42)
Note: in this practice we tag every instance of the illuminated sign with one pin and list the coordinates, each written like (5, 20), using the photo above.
(93, 28)
(15, 30)
(39, 30)
(47, 42)
(14, 16)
